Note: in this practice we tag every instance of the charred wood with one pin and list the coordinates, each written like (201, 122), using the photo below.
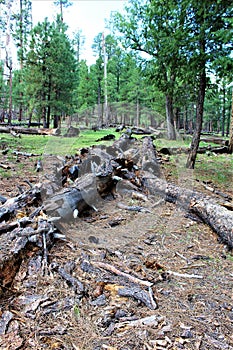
(138, 294)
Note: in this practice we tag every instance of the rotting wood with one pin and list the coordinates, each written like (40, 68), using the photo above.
(99, 178)
(26, 154)
(216, 216)
(77, 285)
(140, 295)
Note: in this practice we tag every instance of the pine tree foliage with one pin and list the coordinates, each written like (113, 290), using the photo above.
(50, 72)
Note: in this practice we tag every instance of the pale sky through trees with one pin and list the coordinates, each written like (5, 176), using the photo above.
(86, 15)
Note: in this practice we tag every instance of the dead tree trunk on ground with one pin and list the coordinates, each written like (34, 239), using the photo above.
(126, 161)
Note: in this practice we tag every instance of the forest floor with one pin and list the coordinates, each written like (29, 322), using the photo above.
(190, 271)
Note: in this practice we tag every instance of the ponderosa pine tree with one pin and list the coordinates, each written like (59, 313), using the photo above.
(62, 4)
(209, 26)
(50, 71)
(157, 29)
(22, 28)
(182, 39)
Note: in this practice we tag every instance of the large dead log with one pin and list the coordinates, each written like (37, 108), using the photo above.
(102, 170)
(29, 131)
(201, 150)
(219, 218)
(68, 203)
(213, 214)
(217, 140)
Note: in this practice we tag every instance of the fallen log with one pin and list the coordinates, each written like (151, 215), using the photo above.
(29, 131)
(219, 218)
(141, 131)
(217, 140)
(101, 174)
(201, 150)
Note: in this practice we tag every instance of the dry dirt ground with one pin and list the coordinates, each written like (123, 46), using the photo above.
(190, 271)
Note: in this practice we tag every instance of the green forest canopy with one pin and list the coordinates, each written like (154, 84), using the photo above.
(186, 74)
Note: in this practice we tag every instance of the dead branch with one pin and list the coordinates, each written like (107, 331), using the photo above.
(184, 275)
(140, 295)
(118, 272)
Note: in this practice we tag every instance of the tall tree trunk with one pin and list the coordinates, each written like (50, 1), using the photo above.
(100, 114)
(30, 119)
(199, 118)
(21, 58)
(8, 59)
(185, 118)
(49, 107)
(106, 109)
(177, 118)
(10, 94)
(231, 128)
(170, 118)
(61, 10)
(137, 113)
(223, 110)
(44, 117)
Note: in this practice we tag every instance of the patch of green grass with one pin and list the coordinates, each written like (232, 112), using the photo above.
(180, 142)
(160, 143)
(5, 173)
(55, 145)
(26, 143)
(217, 169)
(230, 257)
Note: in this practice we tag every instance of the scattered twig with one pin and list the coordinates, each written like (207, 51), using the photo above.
(29, 183)
(113, 269)
(145, 321)
(72, 281)
(156, 204)
(133, 208)
(151, 295)
(185, 275)
(182, 257)
(219, 193)
(4, 166)
(45, 255)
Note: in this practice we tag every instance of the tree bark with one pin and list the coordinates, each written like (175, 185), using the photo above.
(223, 109)
(231, 128)
(197, 132)
(170, 118)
